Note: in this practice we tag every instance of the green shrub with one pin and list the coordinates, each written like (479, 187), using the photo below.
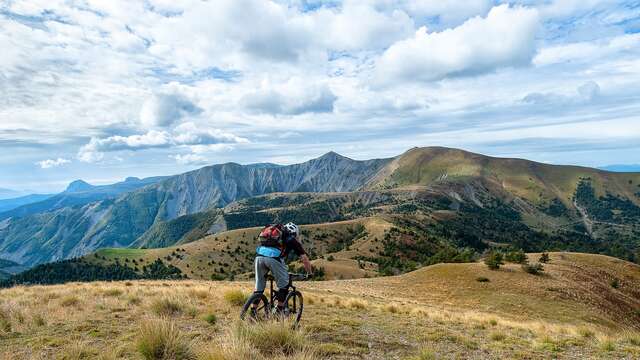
(517, 256)
(494, 260)
(235, 297)
(211, 319)
(331, 258)
(544, 258)
(615, 283)
(533, 269)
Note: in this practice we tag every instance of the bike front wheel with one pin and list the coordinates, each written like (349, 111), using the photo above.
(294, 305)
(255, 313)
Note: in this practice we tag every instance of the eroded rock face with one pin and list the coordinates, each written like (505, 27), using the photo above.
(118, 223)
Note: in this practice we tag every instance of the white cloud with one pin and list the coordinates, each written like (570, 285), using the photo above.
(166, 109)
(449, 11)
(186, 134)
(51, 163)
(359, 26)
(504, 38)
(189, 159)
(585, 93)
(587, 51)
(190, 134)
(293, 98)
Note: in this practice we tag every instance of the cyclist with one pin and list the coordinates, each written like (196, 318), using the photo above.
(276, 243)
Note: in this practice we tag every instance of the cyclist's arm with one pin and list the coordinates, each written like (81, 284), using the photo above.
(307, 264)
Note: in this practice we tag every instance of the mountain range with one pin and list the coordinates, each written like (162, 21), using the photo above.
(481, 200)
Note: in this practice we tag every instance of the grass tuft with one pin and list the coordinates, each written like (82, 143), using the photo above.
(160, 339)
(606, 344)
(112, 292)
(272, 337)
(392, 308)
(69, 300)
(235, 297)
(497, 336)
(77, 351)
(425, 354)
(356, 304)
(166, 307)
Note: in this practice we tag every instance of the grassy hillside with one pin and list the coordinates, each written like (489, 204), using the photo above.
(535, 182)
(231, 253)
(441, 311)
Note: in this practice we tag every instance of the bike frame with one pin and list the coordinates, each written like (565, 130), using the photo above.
(272, 293)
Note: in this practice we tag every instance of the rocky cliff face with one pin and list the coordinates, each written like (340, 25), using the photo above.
(73, 231)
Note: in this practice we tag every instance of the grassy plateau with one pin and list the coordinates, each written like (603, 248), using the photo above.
(581, 307)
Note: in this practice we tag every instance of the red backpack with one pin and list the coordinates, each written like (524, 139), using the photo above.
(272, 236)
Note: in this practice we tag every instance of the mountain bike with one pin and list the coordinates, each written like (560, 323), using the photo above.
(267, 308)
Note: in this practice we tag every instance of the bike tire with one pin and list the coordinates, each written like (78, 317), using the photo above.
(262, 312)
(294, 304)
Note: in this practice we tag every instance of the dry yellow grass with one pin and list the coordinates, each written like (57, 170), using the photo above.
(352, 319)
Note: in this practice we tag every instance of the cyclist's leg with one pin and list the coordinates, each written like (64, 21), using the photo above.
(261, 270)
(280, 272)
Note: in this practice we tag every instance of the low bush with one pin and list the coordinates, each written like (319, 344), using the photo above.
(211, 319)
(517, 256)
(533, 269)
(160, 339)
(494, 260)
(615, 283)
(482, 279)
(544, 258)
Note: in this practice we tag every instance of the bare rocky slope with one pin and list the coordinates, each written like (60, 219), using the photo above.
(76, 230)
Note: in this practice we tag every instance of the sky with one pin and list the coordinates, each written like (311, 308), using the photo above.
(101, 90)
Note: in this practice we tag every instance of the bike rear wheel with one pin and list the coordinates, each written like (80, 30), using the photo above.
(261, 311)
(294, 305)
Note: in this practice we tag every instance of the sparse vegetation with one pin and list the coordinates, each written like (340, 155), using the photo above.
(494, 260)
(544, 258)
(516, 256)
(358, 319)
(533, 269)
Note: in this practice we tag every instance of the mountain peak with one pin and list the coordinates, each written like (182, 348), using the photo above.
(78, 186)
(331, 155)
(132, 179)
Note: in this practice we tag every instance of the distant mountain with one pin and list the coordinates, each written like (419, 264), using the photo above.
(79, 186)
(9, 204)
(8, 193)
(68, 225)
(622, 168)
(79, 193)
(484, 198)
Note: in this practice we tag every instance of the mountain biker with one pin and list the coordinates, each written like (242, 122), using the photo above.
(271, 254)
